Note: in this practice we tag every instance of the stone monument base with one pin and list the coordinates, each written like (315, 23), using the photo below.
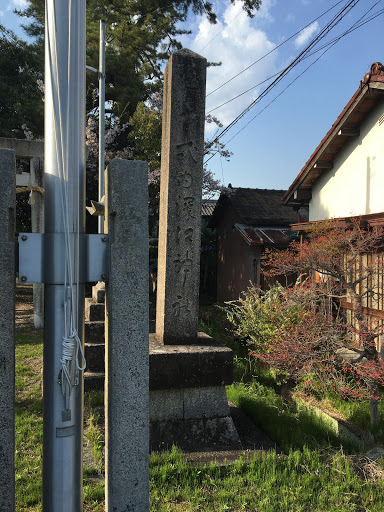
(188, 401)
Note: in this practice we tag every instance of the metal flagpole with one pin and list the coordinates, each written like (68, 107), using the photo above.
(65, 216)
(101, 119)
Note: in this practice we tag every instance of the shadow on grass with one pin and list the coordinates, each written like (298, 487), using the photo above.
(31, 404)
(289, 425)
(29, 336)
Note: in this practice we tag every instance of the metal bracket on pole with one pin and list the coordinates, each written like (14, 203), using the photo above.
(37, 249)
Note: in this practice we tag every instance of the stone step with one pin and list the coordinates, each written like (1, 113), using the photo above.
(94, 355)
(95, 332)
(98, 293)
(94, 381)
(93, 312)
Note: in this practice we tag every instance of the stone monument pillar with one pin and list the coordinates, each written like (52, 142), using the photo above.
(188, 370)
(180, 199)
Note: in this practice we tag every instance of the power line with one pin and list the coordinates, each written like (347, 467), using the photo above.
(244, 92)
(220, 31)
(356, 25)
(335, 20)
(274, 49)
(352, 28)
(347, 32)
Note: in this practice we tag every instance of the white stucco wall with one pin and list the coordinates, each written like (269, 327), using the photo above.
(355, 185)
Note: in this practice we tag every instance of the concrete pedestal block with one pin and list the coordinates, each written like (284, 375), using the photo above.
(188, 401)
(204, 364)
(195, 434)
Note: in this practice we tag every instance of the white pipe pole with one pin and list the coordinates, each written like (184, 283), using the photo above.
(101, 119)
(64, 153)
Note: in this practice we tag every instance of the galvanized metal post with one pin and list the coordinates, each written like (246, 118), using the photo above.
(101, 119)
(64, 149)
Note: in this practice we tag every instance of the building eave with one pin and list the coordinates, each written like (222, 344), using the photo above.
(346, 126)
(369, 220)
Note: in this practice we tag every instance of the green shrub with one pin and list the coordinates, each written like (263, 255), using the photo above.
(260, 315)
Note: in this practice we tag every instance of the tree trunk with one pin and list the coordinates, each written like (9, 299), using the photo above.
(371, 354)
(374, 411)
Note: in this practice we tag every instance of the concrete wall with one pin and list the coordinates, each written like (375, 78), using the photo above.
(24, 148)
(355, 184)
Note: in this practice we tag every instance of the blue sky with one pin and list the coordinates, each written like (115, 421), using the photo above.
(7, 18)
(271, 150)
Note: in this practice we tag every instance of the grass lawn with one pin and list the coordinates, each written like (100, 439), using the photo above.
(314, 475)
(307, 480)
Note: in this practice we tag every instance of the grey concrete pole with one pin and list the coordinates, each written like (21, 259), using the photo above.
(37, 221)
(126, 333)
(64, 153)
(101, 118)
(7, 330)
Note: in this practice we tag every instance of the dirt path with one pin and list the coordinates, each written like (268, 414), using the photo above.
(24, 306)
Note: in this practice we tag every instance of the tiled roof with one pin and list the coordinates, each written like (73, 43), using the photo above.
(259, 207)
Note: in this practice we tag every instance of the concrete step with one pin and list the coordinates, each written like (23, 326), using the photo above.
(95, 332)
(93, 312)
(98, 293)
(95, 355)
(94, 381)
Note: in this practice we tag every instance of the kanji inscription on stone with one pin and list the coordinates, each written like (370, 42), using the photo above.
(180, 199)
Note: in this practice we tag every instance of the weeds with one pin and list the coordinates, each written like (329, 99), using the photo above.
(29, 429)
(289, 424)
(316, 478)
(305, 480)
(28, 420)
(95, 437)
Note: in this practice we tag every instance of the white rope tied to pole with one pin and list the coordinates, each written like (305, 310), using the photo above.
(71, 343)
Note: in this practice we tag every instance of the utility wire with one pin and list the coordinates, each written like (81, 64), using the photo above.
(245, 92)
(274, 49)
(352, 28)
(347, 32)
(335, 20)
(220, 31)
(359, 23)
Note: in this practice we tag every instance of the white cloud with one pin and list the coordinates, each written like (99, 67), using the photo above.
(306, 34)
(290, 18)
(1, 13)
(239, 44)
(17, 4)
